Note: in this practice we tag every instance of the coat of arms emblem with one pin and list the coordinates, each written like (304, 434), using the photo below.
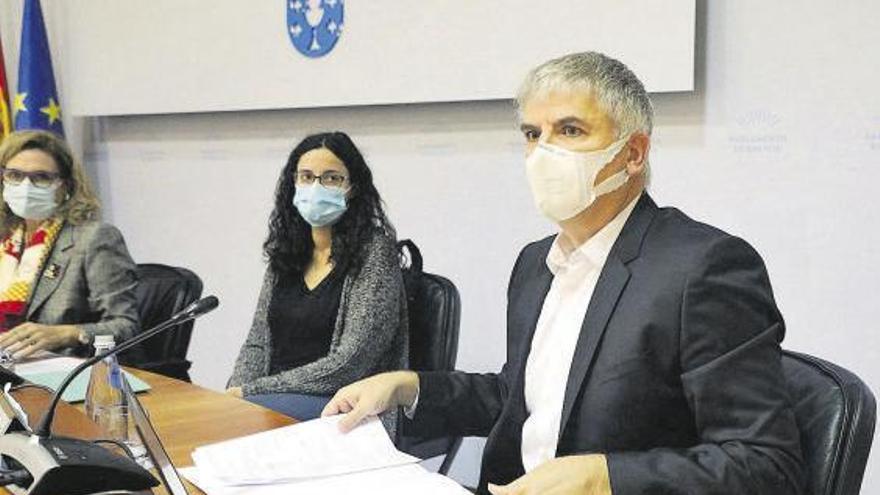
(314, 26)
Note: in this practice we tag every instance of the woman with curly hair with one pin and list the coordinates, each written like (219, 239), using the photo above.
(64, 276)
(332, 309)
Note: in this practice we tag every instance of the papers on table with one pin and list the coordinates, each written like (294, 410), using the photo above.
(51, 371)
(399, 480)
(313, 457)
(305, 450)
(47, 363)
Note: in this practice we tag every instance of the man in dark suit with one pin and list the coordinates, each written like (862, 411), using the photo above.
(642, 346)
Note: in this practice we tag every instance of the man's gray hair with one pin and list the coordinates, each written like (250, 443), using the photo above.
(618, 91)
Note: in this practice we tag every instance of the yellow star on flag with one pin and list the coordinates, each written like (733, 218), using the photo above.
(18, 104)
(53, 111)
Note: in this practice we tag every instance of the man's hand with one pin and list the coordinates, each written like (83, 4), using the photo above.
(372, 396)
(571, 475)
(28, 338)
(235, 392)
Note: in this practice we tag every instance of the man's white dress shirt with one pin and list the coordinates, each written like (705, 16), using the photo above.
(575, 274)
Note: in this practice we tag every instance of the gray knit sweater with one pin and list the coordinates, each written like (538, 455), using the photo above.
(370, 335)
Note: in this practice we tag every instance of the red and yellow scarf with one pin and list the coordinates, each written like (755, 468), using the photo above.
(20, 266)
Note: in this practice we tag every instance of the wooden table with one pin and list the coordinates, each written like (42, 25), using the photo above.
(185, 416)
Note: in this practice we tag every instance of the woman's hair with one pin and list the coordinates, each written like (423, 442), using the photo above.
(289, 245)
(79, 203)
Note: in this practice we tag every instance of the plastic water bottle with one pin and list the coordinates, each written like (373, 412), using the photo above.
(106, 403)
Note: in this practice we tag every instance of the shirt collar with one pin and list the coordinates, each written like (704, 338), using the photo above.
(594, 251)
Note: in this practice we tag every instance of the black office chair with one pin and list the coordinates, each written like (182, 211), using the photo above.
(835, 413)
(162, 291)
(434, 308)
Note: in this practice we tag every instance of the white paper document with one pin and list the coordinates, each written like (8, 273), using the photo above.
(45, 362)
(312, 449)
(400, 480)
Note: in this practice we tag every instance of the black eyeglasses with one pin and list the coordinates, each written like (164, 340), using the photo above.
(42, 180)
(327, 179)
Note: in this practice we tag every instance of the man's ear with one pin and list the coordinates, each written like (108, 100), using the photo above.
(637, 153)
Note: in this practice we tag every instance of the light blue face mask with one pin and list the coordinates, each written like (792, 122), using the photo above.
(318, 205)
(29, 201)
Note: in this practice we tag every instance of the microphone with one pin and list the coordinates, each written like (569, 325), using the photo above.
(197, 308)
(75, 466)
(190, 312)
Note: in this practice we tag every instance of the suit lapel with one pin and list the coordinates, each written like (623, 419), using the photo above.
(56, 263)
(527, 304)
(610, 285)
(531, 304)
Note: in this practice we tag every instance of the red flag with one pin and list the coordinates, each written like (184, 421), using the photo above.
(5, 118)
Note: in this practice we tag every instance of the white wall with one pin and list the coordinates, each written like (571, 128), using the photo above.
(778, 144)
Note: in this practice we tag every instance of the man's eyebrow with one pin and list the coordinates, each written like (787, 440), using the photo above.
(567, 120)
(571, 119)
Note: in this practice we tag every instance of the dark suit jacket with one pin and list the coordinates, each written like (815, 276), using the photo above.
(88, 280)
(676, 376)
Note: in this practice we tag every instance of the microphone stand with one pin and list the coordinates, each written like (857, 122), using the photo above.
(67, 465)
(44, 429)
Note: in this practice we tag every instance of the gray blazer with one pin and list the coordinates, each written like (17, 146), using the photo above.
(370, 335)
(88, 281)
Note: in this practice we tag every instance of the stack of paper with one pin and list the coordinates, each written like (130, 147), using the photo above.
(53, 369)
(401, 480)
(313, 457)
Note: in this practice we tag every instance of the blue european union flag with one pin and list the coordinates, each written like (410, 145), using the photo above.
(36, 102)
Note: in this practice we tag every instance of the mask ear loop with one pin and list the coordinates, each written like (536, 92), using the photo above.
(616, 180)
(612, 183)
(67, 194)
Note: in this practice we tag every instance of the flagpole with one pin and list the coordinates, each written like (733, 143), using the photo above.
(5, 117)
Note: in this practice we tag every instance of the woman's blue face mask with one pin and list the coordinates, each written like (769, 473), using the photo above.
(320, 206)
(29, 201)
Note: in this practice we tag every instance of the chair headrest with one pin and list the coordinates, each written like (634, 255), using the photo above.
(409, 251)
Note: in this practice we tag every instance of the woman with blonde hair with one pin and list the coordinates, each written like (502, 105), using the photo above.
(64, 276)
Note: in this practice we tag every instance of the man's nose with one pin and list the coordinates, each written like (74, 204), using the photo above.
(547, 136)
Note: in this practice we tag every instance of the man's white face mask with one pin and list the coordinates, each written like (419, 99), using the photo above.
(562, 180)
